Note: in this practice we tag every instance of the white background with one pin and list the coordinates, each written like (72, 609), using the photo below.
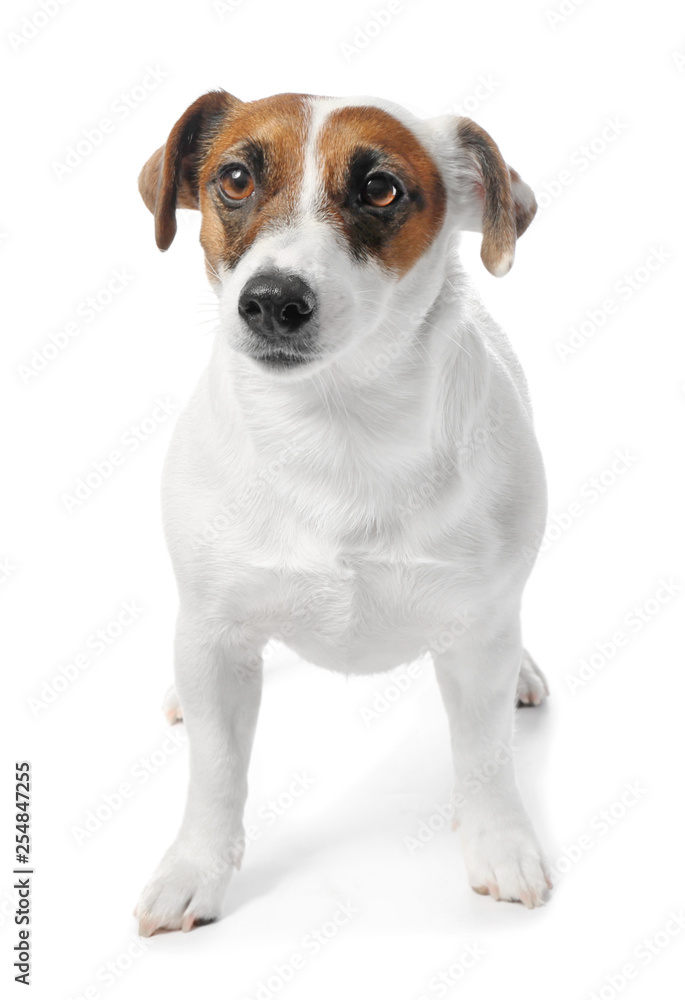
(553, 85)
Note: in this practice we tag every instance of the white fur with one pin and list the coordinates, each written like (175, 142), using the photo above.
(386, 499)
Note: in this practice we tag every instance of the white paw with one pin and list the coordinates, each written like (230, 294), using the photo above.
(184, 892)
(531, 688)
(507, 863)
(171, 707)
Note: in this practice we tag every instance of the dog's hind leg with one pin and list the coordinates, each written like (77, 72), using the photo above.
(531, 688)
(478, 679)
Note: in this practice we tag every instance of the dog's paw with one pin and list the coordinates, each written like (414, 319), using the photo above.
(531, 688)
(183, 893)
(507, 863)
(171, 707)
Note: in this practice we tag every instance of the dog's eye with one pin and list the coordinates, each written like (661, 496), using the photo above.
(380, 190)
(236, 183)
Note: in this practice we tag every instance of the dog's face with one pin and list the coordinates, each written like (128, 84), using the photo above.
(319, 215)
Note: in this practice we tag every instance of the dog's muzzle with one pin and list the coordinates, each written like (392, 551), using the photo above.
(278, 309)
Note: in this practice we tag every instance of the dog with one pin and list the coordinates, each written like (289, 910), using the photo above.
(357, 473)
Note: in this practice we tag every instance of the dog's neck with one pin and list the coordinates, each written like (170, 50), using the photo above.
(403, 391)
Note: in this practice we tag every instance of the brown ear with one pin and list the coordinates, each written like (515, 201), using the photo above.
(169, 178)
(502, 205)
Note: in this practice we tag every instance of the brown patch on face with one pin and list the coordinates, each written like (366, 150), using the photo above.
(356, 142)
(268, 137)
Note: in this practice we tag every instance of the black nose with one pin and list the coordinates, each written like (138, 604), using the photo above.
(274, 304)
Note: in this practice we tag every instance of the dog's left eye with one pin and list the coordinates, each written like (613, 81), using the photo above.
(380, 190)
(236, 183)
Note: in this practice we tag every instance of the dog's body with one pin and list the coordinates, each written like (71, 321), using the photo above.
(357, 472)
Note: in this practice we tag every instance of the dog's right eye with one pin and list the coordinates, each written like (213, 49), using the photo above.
(236, 183)
(380, 190)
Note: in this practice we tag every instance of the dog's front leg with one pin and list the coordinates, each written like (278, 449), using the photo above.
(219, 684)
(477, 678)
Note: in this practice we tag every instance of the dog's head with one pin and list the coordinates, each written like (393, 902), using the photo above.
(321, 216)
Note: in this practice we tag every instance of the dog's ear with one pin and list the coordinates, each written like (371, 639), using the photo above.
(169, 178)
(491, 197)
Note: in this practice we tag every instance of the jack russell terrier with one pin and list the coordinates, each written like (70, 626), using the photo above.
(357, 473)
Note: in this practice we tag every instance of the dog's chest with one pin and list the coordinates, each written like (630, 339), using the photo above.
(356, 585)
(359, 612)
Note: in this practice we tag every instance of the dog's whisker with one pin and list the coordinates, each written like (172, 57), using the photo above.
(210, 267)
(320, 390)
